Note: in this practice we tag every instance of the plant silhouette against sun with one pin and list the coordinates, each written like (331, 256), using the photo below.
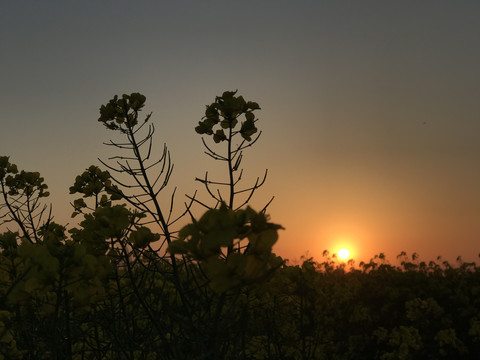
(140, 180)
(101, 292)
(21, 200)
(228, 119)
(124, 282)
(122, 115)
(94, 182)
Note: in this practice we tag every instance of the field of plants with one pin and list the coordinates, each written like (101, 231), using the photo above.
(126, 283)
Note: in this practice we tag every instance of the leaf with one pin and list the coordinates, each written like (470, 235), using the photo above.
(219, 136)
(262, 243)
(8, 243)
(4, 161)
(104, 200)
(212, 114)
(248, 129)
(250, 115)
(142, 237)
(228, 123)
(204, 128)
(253, 105)
(136, 101)
(178, 247)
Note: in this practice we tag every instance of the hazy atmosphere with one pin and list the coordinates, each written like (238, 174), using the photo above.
(370, 112)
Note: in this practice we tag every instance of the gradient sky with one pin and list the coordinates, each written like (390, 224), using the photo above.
(370, 109)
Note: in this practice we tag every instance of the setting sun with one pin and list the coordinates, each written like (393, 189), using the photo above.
(343, 254)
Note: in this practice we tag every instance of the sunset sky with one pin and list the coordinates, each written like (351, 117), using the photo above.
(370, 109)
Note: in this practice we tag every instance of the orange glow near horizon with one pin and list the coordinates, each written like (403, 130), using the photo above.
(344, 247)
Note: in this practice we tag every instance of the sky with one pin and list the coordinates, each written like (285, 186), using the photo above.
(370, 111)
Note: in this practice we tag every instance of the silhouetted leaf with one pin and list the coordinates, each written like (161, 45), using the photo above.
(219, 136)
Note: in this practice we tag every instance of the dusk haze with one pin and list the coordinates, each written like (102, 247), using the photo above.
(369, 110)
(329, 135)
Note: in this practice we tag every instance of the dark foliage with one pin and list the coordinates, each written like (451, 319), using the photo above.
(126, 284)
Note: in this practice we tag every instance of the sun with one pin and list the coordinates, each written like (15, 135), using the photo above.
(343, 254)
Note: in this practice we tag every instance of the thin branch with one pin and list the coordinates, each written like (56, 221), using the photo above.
(252, 189)
(212, 153)
(198, 202)
(187, 210)
(240, 148)
(265, 207)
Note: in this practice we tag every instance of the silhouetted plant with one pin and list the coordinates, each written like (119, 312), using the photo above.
(220, 122)
(115, 288)
(21, 193)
